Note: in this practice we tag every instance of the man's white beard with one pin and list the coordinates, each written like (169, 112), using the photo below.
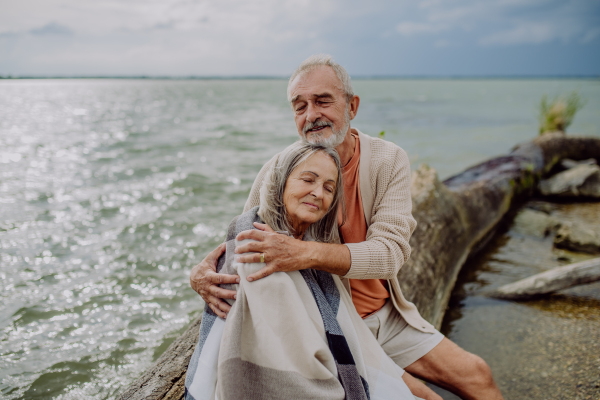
(334, 140)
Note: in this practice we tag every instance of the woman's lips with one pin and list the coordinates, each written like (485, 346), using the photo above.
(311, 205)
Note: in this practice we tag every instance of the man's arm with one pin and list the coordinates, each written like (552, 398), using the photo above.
(379, 257)
(284, 253)
(387, 246)
(204, 278)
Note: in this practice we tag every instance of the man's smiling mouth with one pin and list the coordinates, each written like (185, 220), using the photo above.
(317, 126)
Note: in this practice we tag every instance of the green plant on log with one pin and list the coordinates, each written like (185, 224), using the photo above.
(557, 115)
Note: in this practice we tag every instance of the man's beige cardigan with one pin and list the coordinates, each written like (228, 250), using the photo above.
(384, 180)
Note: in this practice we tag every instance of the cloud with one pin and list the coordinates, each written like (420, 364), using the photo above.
(270, 37)
(51, 29)
(409, 28)
(529, 33)
(505, 22)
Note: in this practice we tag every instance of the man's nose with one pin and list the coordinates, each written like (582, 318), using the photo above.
(313, 112)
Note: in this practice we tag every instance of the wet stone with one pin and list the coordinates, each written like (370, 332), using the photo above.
(581, 180)
(535, 223)
(578, 237)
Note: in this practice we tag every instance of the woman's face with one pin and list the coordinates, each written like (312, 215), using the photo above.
(309, 191)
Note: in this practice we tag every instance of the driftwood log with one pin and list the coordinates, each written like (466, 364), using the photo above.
(455, 218)
(550, 281)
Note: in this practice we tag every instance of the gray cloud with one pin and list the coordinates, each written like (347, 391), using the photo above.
(269, 37)
(52, 28)
(506, 22)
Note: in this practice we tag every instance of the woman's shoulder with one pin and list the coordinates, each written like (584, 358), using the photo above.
(243, 222)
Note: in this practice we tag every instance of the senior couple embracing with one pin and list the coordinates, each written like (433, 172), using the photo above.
(303, 297)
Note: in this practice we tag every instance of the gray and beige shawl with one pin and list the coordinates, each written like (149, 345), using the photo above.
(291, 335)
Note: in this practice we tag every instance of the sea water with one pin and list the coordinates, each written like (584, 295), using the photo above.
(112, 190)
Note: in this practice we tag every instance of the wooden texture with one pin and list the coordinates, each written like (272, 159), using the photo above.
(455, 218)
(550, 281)
(165, 379)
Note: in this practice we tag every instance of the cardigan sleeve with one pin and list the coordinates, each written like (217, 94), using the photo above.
(386, 247)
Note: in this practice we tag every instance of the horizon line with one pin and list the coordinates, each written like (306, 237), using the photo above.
(279, 77)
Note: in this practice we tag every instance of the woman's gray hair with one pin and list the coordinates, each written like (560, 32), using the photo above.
(272, 210)
(319, 60)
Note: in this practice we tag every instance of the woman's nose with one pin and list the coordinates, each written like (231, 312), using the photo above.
(317, 192)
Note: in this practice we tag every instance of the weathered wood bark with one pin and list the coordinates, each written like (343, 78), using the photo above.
(454, 218)
(550, 281)
(457, 216)
(165, 379)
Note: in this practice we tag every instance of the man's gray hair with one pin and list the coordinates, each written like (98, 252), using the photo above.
(272, 210)
(320, 60)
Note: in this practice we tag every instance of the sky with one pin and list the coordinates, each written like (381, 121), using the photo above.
(271, 37)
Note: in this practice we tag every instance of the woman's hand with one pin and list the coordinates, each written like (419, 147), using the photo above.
(205, 280)
(281, 252)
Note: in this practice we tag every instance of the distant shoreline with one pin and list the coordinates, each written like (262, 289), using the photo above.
(357, 77)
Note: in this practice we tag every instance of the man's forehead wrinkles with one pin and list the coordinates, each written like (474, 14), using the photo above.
(323, 95)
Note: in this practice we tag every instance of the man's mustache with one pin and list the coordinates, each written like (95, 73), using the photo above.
(317, 124)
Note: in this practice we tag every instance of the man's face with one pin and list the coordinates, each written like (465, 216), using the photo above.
(320, 108)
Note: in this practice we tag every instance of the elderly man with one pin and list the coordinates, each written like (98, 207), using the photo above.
(378, 227)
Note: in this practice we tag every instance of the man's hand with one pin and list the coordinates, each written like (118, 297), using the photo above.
(204, 280)
(284, 253)
(281, 252)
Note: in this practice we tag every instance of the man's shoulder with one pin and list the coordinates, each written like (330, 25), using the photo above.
(382, 151)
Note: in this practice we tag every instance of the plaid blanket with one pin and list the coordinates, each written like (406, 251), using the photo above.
(293, 335)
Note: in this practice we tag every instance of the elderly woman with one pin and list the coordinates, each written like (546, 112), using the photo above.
(292, 335)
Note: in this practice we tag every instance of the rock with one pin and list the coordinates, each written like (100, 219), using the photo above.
(535, 223)
(582, 180)
(550, 281)
(578, 237)
(567, 163)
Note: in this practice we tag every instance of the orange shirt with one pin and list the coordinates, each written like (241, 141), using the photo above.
(368, 295)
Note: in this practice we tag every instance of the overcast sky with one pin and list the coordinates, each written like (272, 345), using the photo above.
(270, 37)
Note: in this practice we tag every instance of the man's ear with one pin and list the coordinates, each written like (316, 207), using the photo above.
(354, 103)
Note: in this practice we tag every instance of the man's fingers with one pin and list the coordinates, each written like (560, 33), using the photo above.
(219, 304)
(216, 253)
(263, 273)
(263, 227)
(219, 279)
(221, 293)
(250, 258)
(217, 311)
(251, 234)
(251, 247)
